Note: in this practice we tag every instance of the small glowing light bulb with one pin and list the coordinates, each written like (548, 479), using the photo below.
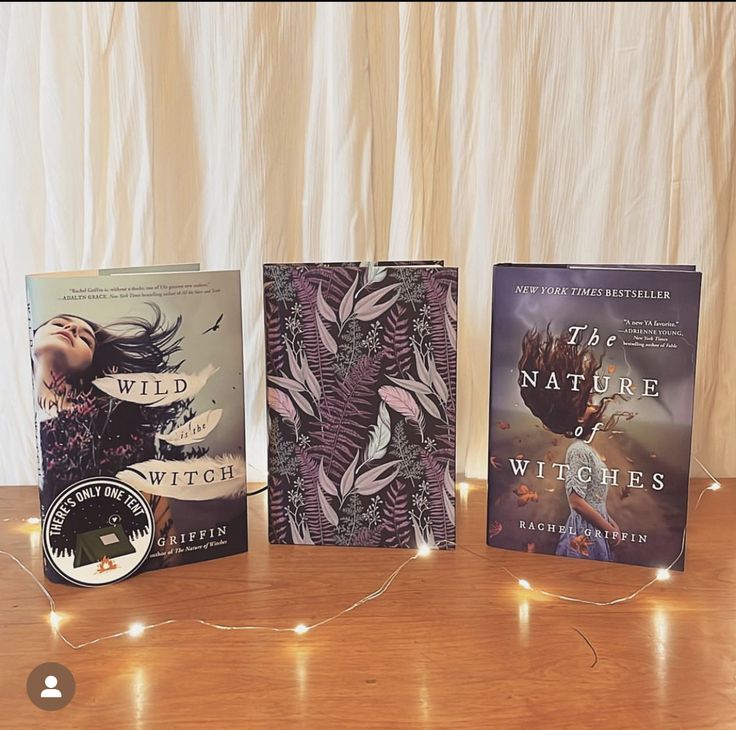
(663, 574)
(136, 630)
(33, 520)
(54, 620)
(525, 584)
(301, 629)
(715, 486)
(464, 488)
(424, 551)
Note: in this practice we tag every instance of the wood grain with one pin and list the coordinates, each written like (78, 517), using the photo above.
(454, 643)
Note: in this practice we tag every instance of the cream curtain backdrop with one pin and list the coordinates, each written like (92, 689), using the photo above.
(233, 134)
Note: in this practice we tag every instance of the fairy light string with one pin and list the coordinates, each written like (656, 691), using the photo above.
(137, 629)
(662, 574)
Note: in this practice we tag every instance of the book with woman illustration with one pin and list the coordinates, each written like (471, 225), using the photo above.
(592, 381)
(361, 366)
(138, 391)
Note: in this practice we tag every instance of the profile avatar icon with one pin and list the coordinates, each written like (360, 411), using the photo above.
(50, 686)
(51, 681)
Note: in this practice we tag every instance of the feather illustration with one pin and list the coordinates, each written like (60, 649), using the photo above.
(375, 274)
(154, 389)
(379, 436)
(403, 403)
(206, 477)
(281, 403)
(194, 430)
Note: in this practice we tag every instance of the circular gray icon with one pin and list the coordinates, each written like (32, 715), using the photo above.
(51, 686)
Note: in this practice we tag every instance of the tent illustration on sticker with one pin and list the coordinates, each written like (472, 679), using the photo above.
(106, 542)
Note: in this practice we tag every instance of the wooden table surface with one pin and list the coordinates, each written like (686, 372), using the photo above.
(454, 643)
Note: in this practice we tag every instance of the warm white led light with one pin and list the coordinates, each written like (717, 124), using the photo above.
(136, 630)
(33, 520)
(301, 629)
(525, 584)
(715, 486)
(54, 620)
(423, 551)
(663, 574)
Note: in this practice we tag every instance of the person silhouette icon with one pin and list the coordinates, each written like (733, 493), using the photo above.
(50, 686)
(51, 690)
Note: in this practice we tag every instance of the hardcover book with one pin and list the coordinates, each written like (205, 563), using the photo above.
(138, 392)
(361, 367)
(592, 379)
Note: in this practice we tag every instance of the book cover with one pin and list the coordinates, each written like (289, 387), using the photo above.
(592, 380)
(138, 391)
(361, 368)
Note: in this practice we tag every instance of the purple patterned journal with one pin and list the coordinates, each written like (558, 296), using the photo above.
(361, 366)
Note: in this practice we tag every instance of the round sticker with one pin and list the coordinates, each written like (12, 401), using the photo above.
(98, 531)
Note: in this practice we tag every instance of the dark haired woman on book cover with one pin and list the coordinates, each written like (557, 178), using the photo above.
(590, 530)
(83, 431)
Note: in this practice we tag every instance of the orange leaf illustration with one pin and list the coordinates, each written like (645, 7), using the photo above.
(494, 529)
(503, 425)
(494, 463)
(611, 369)
(580, 544)
(524, 495)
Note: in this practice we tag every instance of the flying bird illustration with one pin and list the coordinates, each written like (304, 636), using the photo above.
(215, 326)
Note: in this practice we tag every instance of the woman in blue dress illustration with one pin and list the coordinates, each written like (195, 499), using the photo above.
(571, 411)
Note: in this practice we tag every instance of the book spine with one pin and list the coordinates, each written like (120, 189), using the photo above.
(36, 423)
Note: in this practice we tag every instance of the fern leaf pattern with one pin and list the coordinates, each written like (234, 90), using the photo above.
(362, 368)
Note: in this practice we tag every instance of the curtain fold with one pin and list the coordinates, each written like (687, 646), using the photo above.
(233, 134)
